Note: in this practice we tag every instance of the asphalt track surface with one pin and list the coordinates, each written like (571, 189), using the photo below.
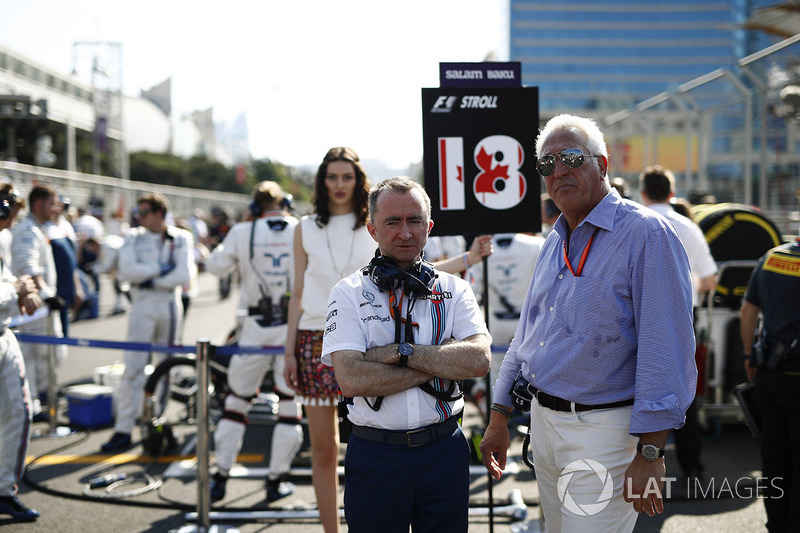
(62, 465)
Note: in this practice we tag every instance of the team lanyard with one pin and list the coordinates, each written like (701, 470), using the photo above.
(583, 256)
(395, 306)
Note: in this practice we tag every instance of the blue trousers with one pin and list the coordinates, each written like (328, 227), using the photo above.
(389, 487)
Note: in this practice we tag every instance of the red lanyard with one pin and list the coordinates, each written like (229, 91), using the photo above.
(583, 256)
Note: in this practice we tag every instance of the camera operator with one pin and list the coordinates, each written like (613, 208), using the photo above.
(261, 251)
(407, 460)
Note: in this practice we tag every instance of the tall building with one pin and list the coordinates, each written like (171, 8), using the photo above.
(605, 55)
(681, 83)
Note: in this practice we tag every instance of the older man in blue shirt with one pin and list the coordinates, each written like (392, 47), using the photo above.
(605, 342)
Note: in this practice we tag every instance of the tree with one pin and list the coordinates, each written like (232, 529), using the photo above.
(199, 172)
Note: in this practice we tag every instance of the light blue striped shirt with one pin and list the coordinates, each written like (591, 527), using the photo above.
(621, 330)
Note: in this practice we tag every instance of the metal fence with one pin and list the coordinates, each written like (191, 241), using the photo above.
(732, 132)
(117, 194)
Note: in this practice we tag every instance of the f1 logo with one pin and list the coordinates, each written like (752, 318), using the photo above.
(444, 104)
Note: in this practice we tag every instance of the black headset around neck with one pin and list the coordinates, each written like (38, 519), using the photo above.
(387, 275)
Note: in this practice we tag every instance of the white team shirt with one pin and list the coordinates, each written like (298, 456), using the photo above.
(32, 253)
(8, 294)
(262, 255)
(144, 251)
(510, 270)
(694, 242)
(359, 319)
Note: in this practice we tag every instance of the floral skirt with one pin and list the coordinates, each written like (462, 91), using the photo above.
(315, 379)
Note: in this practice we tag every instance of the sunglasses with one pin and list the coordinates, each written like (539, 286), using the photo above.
(143, 213)
(571, 157)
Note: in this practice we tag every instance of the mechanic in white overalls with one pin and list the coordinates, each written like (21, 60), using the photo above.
(261, 251)
(33, 257)
(16, 294)
(155, 260)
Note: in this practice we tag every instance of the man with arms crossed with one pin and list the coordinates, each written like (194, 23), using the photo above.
(398, 334)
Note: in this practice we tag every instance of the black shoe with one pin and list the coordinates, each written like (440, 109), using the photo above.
(277, 489)
(218, 487)
(11, 505)
(117, 443)
(41, 416)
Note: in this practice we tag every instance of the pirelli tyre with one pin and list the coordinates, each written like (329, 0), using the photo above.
(735, 232)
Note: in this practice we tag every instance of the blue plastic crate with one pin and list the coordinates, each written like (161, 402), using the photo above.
(89, 405)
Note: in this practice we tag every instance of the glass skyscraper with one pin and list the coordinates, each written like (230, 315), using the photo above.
(602, 55)
(678, 59)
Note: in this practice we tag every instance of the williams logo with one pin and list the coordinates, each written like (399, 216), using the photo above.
(444, 104)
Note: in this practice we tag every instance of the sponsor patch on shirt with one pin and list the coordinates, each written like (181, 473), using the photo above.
(782, 263)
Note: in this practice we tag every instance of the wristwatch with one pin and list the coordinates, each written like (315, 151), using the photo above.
(650, 452)
(405, 350)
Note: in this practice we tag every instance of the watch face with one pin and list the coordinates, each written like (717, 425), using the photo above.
(405, 349)
(650, 452)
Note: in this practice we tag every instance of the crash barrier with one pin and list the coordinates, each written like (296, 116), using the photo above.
(111, 194)
(515, 509)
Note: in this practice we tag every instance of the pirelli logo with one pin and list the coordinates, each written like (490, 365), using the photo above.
(788, 265)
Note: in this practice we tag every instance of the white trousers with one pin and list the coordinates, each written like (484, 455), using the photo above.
(245, 376)
(580, 461)
(15, 414)
(37, 356)
(155, 318)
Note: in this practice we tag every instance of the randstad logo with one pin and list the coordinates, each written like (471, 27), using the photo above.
(585, 509)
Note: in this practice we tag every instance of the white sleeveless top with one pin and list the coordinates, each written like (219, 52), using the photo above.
(334, 252)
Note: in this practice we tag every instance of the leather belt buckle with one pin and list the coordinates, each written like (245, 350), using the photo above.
(410, 440)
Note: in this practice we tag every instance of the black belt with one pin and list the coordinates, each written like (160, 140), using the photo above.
(560, 404)
(254, 311)
(413, 438)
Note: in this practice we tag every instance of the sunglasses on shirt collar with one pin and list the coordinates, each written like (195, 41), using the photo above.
(571, 157)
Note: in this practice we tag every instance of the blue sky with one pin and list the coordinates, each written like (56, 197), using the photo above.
(309, 74)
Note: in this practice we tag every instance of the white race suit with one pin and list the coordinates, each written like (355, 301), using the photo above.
(261, 251)
(32, 255)
(157, 310)
(15, 395)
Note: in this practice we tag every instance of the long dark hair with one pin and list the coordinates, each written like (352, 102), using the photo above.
(360, 193)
